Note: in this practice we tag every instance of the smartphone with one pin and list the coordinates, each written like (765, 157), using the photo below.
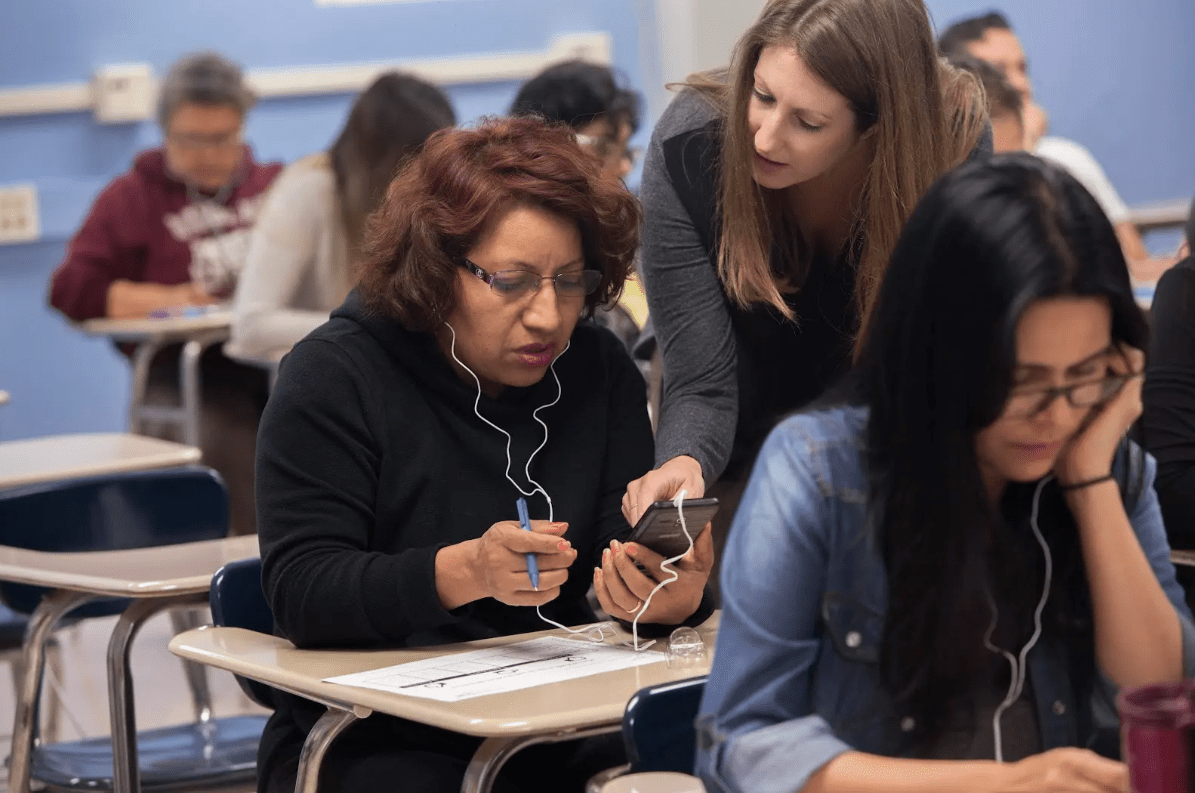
(660, 528)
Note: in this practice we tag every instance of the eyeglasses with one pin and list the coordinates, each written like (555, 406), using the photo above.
(194, 141)
(609, 149)
(513, 284)
(1026, 404)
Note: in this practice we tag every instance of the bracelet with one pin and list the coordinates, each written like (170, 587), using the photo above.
(1088, 483)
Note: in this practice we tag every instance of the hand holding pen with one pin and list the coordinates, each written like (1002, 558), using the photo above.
(496, 564)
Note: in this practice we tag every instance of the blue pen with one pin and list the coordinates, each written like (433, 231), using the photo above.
(532, 565)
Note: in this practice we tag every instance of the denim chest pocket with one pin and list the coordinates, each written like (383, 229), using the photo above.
(855, 629)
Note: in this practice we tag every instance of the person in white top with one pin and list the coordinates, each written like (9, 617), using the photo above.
(990, 38)
(305, 245)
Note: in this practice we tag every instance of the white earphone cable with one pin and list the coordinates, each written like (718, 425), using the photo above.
(1019, 666)
(588, 632)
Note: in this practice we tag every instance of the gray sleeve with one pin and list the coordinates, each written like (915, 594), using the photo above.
(692, 324)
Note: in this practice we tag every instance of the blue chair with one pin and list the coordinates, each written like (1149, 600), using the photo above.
(238, 602)
(657, 726)
(121, 512)
(658, 731)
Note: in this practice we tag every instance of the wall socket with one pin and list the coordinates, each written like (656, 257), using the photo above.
(18, 214)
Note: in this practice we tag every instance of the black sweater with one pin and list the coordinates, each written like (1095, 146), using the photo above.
(371, 458)
(1169, 396)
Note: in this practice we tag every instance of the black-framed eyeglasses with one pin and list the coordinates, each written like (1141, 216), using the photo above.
(1026, 404)
(513, 284)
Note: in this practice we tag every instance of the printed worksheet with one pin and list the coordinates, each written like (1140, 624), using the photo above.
(479, 673)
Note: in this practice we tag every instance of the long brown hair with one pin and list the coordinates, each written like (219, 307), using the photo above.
(389, 121)
(881, 56)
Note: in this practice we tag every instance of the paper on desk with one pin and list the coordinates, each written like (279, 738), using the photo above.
(498, 670)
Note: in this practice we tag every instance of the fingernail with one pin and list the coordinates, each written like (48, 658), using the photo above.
(605, 556)
(631, 549)
(563, 545)
(616, 545)
(560, 525)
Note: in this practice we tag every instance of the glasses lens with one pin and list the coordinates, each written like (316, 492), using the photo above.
(1025, 403)
(1088, 394)
(577, 284)
(513, 283)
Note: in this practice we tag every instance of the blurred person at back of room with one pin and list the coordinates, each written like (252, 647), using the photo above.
(990, 37)
(1005, 105)
(173, 232)
(604, 115)
(306, 246)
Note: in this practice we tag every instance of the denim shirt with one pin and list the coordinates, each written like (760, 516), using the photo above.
(795, 680)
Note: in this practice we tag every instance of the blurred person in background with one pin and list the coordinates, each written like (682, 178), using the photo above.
(990, 37)
(1169, 396)
(1005, 105)
(604, 115)
(587, 97)
(173, 232)
(306, 246)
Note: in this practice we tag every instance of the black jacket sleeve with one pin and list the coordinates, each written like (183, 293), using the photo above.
(1169, 396)
(317, 479)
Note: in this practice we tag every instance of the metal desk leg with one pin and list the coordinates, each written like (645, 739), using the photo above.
(33, 656)
(331, 724)
(142, 357)
(126, 774)
(493, 753)
(201, 695)
(190, 390)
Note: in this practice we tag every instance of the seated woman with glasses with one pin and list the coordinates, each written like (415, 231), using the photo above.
(454, 380)
(939, 580)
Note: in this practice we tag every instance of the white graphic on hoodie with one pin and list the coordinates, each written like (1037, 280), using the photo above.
(218, 237)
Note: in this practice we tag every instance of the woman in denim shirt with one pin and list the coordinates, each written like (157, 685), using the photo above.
(963, 561)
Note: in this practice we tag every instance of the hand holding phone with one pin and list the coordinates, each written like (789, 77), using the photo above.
(660, 527)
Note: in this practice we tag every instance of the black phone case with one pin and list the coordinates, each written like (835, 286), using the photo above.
(660, 528)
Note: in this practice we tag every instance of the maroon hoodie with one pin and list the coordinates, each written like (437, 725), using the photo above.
(148, 226)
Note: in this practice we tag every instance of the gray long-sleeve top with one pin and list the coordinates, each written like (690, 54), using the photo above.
(729, 374)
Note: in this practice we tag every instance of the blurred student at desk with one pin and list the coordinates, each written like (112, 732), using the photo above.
(173, 232)
(388, 482)
(990, 37)
(306, 246)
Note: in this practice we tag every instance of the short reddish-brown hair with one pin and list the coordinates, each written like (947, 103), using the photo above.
(444, 198)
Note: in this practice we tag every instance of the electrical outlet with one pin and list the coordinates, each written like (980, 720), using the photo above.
(18, 214)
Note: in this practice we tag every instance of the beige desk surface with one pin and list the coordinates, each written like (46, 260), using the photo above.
(587, 701)
(654, 782)
(136, 330)
(144, 572)
(87, 454)
(1161, 213)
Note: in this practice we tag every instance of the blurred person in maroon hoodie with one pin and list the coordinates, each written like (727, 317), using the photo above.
(174, 232)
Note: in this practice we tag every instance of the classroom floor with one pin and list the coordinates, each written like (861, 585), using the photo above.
(162, 695)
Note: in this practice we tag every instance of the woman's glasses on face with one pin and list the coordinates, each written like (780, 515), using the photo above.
(513, 284)
(1027, 404)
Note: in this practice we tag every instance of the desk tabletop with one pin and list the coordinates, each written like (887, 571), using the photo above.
(181, 569)
(87, 454)
(571, 704)
(167, 329)
(1160, 214)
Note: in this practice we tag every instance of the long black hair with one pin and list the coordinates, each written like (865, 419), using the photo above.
(986, 241)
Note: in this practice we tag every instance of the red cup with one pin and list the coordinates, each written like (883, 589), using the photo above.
(1157, 724)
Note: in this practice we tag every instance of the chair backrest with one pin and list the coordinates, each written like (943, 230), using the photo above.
(237, 601)
(658, 726)
(112, 512)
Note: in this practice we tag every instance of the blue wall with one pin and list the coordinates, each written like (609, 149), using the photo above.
(62, 381)
(1115, 75)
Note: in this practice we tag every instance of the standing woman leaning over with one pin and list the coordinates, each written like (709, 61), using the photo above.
(773, 195)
